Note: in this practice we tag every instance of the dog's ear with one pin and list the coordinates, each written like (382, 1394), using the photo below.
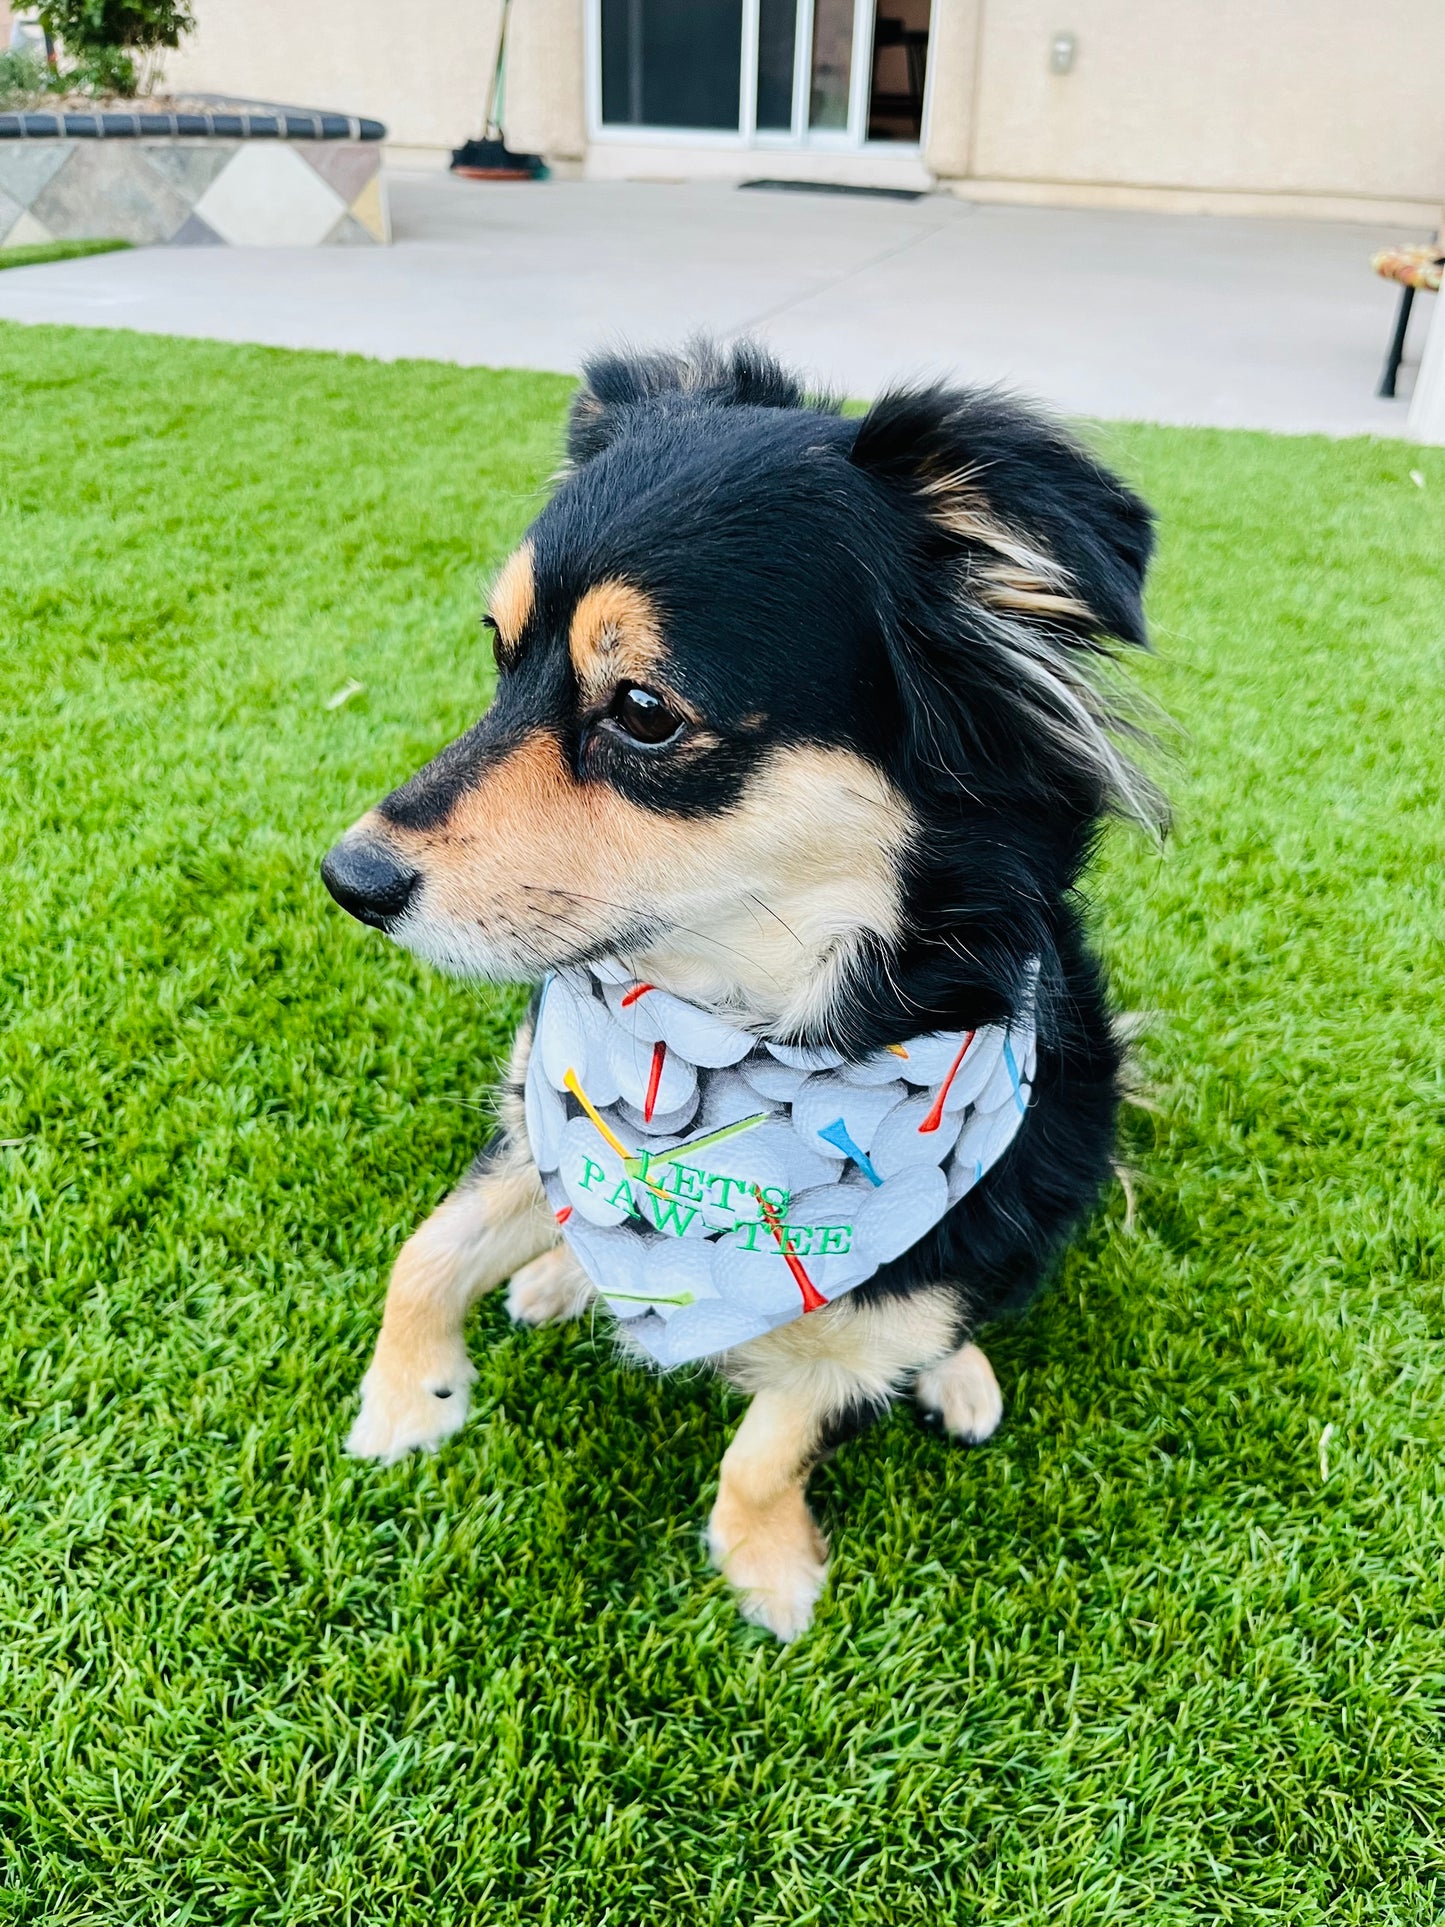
(1051, 534)
(1031, 560)
(742, 376)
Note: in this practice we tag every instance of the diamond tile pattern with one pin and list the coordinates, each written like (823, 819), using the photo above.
(266, 197)
(369, 207)
(28, 233)
(25, 167)
(185, 193)
(116, 177)
(190, 166)
(345, 165)
(194, 233)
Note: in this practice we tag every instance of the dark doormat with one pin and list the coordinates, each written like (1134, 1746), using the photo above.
(835, 187)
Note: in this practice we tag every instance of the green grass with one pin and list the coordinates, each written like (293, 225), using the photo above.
(44, 251)
(1137, 1661)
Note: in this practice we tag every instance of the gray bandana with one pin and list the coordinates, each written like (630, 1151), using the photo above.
(714, 1185)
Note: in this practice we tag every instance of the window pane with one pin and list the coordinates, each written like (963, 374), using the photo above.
(832, 63)
(777, 31)
(671, 63)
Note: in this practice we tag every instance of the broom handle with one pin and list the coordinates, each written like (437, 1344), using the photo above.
(492, 131)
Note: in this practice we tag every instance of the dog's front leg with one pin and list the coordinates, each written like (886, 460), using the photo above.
(816, 1382)
(761, 1534)
(417, 1388)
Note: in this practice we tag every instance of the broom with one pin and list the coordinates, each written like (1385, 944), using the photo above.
(490, 158)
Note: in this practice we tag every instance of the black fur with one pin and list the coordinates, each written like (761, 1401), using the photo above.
(929, 587)
(616, 384)
(842, 1427)
(861, 630)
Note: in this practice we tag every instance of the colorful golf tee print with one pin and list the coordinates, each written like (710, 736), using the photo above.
(715, 1185)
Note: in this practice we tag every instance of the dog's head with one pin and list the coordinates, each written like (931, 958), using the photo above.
(782, 697)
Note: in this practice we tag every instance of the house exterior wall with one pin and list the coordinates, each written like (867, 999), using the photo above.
(546, 83)
(952, 86)
(423, 69)
(1273, 106)
(1322, 100)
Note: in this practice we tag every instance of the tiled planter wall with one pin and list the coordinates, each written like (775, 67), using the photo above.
(278, 179)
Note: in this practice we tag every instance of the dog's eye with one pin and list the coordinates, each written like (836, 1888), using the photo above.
(642, 716)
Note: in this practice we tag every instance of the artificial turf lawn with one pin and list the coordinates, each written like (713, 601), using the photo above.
(45, 251)
(1138, 1660)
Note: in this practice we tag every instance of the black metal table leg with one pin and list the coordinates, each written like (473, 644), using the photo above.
(1397, 343)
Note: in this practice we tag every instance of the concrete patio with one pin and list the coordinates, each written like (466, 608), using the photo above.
(1189, 319)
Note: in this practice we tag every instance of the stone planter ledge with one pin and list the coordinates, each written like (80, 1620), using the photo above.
(238, 174)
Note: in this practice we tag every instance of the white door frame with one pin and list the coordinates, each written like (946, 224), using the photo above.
(799, 138)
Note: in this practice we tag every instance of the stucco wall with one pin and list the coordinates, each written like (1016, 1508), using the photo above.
(1316, 97)
(1328, 103)
(424, 68)
(952, 84)
(546, 112)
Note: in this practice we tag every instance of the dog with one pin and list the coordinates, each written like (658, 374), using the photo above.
(800, 724)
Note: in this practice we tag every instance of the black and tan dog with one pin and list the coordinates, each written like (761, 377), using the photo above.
(795, 714)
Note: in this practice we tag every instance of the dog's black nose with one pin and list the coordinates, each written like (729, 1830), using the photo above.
(368, 880)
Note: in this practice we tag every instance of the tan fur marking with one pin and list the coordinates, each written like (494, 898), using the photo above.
(481, 1234)
(511, 1099)
(761, 1533)
(1032, 599)
(511, 600)
(963, 1392)
(1024, 581)
(762, 905)
(833, 1358)
(550, 1290)
(615, 636)
(1021, 593)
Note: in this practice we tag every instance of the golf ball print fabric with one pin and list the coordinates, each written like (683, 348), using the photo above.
(715, 1185)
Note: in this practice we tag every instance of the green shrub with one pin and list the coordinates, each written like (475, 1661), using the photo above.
(100, 37)
(23, 76)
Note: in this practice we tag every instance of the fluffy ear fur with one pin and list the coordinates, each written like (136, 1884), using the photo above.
(1056, 535)
(1046, 552)
(743, 376)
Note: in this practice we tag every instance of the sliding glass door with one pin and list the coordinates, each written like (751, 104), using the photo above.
(830, 64)
(777, 57)
(772, 73)
(671, 63)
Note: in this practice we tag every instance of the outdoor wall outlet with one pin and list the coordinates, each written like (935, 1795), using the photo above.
(1062, 49)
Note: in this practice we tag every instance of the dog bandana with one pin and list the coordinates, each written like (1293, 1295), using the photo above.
(715, 1185)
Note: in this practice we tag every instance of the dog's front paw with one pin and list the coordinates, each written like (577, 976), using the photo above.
(962, 1396)
(552, 1288)
(776, 1560)
(411, 1408)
